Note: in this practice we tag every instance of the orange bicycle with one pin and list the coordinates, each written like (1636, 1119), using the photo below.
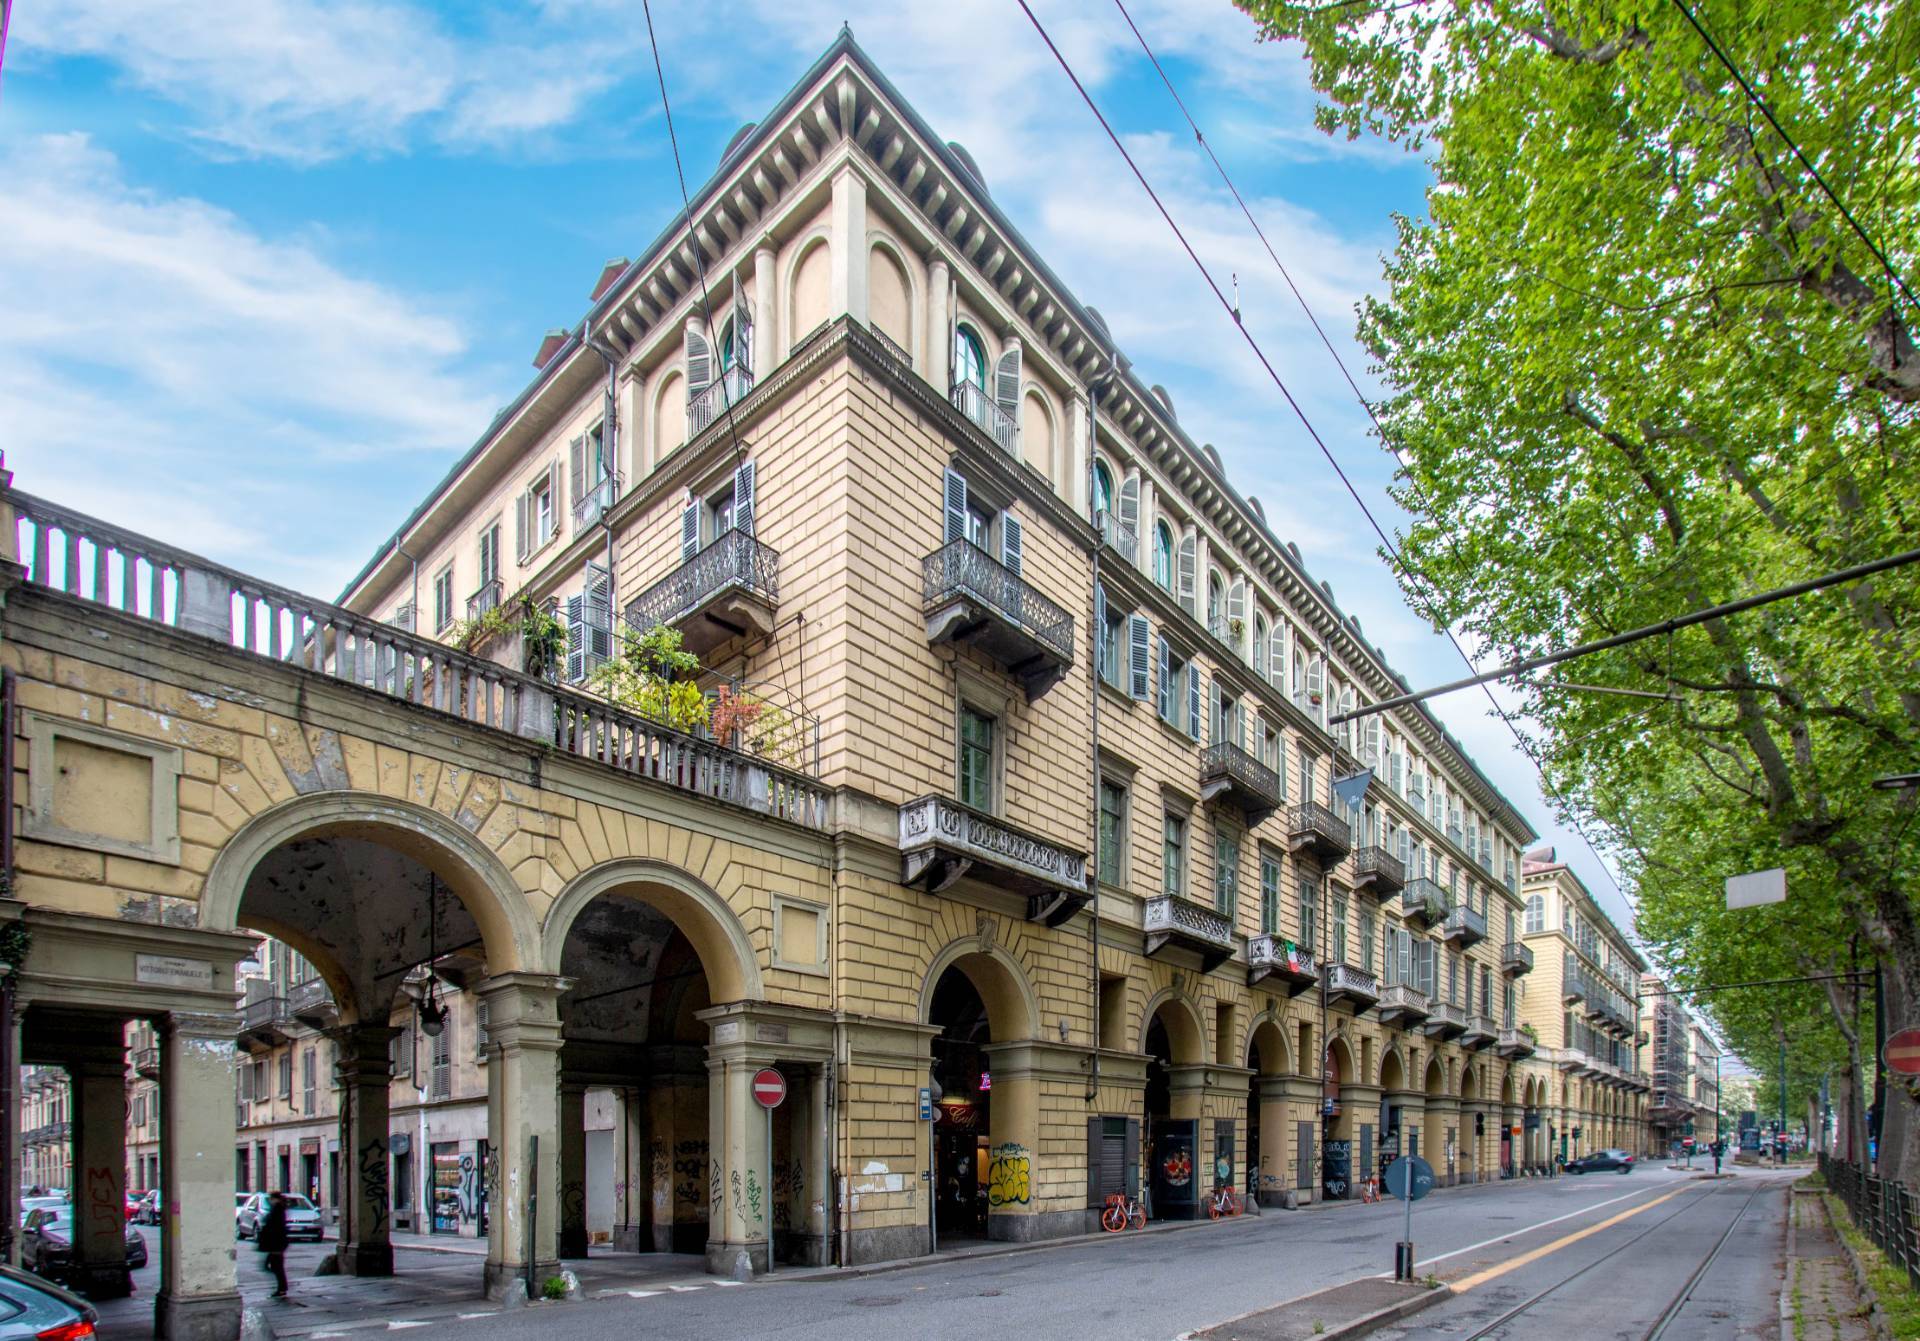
(1122, 1212)
(1224, 1202)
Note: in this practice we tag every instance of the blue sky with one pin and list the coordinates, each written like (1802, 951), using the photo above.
(271, 265)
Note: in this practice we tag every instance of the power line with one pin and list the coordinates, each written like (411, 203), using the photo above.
(1805, 162)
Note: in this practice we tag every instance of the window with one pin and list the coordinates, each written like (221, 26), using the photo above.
(1536, 914)
(1369, 924)
(441, 1080)
(286, 1074)
(1269, 895)
(400, 1052)
(1163, 555)
(443, 598)
(1260, 646)
(1338, 942)
(1173, 855)
(1179, 702)
(536, 513)
(1216, 602)
(481, 1036)
(1111, 634)
(1113, 832)
(1273, 753)
(1226, 722)
(1309, 913)
(490, 553)
(1102, 489)
(976, 759)
(969, 358)
(260, 1092)
(1226, 873)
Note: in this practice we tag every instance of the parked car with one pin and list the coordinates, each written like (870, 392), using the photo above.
(31, 1308)
(303, 1218)
(1600, 1161)
(46, 1244)
(148, 1210)
(28, 1205)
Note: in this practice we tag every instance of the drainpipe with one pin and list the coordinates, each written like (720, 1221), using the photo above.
(9, 1118)
(413, 596)
(1096, 389)
(610, 417)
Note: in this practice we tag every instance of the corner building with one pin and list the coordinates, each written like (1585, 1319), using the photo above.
(1017, 852)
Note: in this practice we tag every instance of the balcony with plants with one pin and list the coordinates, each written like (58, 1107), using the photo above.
(969, 598)
(1423, 903)
(1517, 1043)
(729, 589)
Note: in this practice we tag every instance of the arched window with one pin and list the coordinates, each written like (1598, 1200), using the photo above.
(1163, 555)
(1536, 914)
(1216, 600)
(1102, 489)
(969, 358)
(1260, 645)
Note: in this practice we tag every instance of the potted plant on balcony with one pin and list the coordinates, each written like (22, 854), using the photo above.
(1533, 1035)
(653, 677)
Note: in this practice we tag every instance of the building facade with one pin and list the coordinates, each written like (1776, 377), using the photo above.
(46, 1124)
(1583, 1004)
(1706, 1083)
(1004, 823)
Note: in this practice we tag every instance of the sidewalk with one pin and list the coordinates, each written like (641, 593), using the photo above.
(1818, 1298)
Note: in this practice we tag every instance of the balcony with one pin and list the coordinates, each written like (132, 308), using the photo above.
(1352, 987)
(1479, 1033)
(1119, 536)
(1573, 1061)
(1573, 980)
(1514, 1044)
(1404, 1007)
(712, 401)
(1378, 872)
(1174, 922)
(972, 400)
(1423, 903)
(942, 840)
(595, 499)
(1445, 1021)
(489, 596)
(1314, 830)
(312, 1004)
(969, 597)
(1231, 776)
(1516, 958)
(146, 1063)
(1464, 926)
(263, 1023)
(1278, 961)
(730, 589)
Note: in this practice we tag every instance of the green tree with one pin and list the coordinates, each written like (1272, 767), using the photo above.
(1639, 363)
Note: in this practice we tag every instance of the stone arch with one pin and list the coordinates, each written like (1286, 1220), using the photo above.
(1267, 1040)
(1342, 1054)
(1013, 1012)
(1038, 432)
(1186, 1035)
(1436, 1081)
(1470, 1084)
(470, 869)
(893, 300)
(1506, 1088)
(703, 917)
(1393, 1070)
(669, 414)
(808, 287)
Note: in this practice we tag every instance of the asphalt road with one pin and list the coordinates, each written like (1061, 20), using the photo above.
(1154, 1287)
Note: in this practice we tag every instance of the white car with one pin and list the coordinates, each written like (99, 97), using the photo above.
(303, 1217)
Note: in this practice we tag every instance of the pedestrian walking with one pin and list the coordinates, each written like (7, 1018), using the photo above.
(271, 1239)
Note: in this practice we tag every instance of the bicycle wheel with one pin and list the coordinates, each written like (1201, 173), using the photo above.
(1216, 1206)
(1137, 1216)
(1113, 1219)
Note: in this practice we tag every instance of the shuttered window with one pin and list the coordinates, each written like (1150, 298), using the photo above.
(1113, 832)
(1113, 1158)
(442, 1077)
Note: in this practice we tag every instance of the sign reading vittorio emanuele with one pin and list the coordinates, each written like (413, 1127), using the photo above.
(936, 831)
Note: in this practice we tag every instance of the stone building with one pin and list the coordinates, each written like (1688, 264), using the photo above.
(46, 1124)
(1669, 1028)
(1583, 1004)
(1009, 833)
(1706, 1083)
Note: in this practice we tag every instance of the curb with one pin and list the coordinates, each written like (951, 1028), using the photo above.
(1876, 1316)
(1406, 1308)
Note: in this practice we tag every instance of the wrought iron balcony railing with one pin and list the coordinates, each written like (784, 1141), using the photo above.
(263, 1012)
(1378, 871)
(1573, 979)
(489, 596)
(1314, 828)
(1117, 534)
(711, 402)
(1516, 958)
(733, 565)
(968, 595)
(146, 1063)
(595, 499)
(1423, 903)
(972, 400)
(1464, 926)
(1230, 774)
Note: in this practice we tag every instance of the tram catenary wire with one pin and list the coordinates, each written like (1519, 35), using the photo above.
(1673, 1306)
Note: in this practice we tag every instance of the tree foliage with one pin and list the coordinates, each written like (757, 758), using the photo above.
(1638, 363)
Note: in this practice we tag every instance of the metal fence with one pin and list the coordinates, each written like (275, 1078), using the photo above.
(1881, 1208)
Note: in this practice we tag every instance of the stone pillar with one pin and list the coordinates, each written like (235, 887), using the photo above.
(1443, 1113)
(523, 1122)
(95, 1061)
(740, 1228)
(848, 273)
(938, 361)
(1275, 1175)
(1143, 542)
(573, 1169)
(364, 1071)
(198, 1300)
(1013, 1194)
(764, 311)
(631, 1200)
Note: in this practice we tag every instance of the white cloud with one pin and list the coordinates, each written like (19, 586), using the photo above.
(164, 364)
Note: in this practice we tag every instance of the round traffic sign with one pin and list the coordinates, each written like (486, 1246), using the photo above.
(769, 1087)
(1902, 1052)
(1409, 1167)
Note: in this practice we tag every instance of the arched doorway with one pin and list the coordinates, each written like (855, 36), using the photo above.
(1473, 1127)
(1439, 1140)
(1271, 1062)
(963, 1108)
(1340, 1164)
(1172, 1042)
(1509, 1120)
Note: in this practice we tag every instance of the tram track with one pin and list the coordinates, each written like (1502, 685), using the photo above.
(1675, 1304)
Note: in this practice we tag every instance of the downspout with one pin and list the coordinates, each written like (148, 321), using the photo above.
(413, 595)
(610, 417)
(9, 973)
(1095, 390)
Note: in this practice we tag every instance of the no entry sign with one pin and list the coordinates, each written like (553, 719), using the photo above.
(769, 1087)
(1902, 1052)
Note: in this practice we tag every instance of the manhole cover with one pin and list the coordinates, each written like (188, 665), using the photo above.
(877, 1301)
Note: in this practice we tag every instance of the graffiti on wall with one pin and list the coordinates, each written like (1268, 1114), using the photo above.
(1009, 1176)
(373, 1185)
(789, 1187)
(469, 1191)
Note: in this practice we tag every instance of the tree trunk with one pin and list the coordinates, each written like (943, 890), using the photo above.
(1899, 1131)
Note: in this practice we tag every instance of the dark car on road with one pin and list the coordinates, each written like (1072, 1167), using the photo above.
(46, 1243)
(1602, 1161)
(33, 1308)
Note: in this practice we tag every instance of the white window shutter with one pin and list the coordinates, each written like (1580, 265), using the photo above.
(1237, 609)
(956, 505)
(1370, 736)
(555, 483)
(1214, 721)
(1279, 762)
(1138, 652)
(699, 352)
(1277, 656)
(1186, 576)
(522, 527)
(1010, 543)
(576, 639)
(1130, 507)
(1316, 680)
(743, 497)
(577, 468)
(1193, 700)
(1164, 703)
(742, 331)
(689, 530)
(1006, 383)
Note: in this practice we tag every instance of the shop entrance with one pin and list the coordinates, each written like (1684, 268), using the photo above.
(963, 1112)
(1172, 1142)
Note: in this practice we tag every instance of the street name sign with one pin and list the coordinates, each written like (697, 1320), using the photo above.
(1756, 888)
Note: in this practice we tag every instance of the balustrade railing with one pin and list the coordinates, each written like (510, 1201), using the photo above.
(93, 560)
(972, 400)
(711, 401)
(961, 567)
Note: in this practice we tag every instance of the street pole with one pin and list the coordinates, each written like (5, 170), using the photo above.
(1779, 1143)
(769, 1200)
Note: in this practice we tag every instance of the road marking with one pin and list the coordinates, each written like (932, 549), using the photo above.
(682, 1289)
(723, 1284)
(1528, 1229)
(401, 1326)
(1466, 1283)
(641, 1294)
